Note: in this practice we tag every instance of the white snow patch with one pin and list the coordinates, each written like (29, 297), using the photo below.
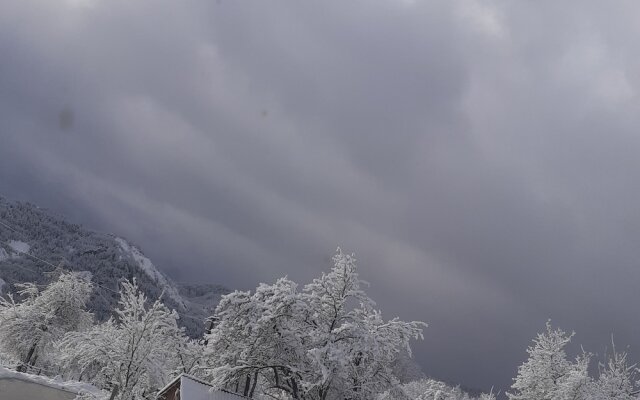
(3, 254)
(2, 284)
(150, 269)
(86, 275)
(19, 247)
(57, 382)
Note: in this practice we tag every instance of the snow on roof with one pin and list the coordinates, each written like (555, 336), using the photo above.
(56, 383)
(192, 388)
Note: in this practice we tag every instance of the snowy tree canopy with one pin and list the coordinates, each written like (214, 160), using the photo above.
(322, 342)
(138, 351)
(617, 380)
(430, 389)
(28, 328)
(548, 374)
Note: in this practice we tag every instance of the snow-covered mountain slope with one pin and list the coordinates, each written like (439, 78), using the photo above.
(108, 258)
(147, 266)
(201, 299)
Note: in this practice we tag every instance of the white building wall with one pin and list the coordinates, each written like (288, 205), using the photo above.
(193, 390)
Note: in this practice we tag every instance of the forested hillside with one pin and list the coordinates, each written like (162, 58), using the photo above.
(50, 241)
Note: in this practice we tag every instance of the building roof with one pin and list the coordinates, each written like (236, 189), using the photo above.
(179, 382)
(54, 383)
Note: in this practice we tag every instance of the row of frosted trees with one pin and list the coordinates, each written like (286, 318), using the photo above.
(321, 341)
(324, 340)
(548, 374)
(130, 355)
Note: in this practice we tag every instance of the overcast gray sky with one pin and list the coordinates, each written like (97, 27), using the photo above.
(481, 158)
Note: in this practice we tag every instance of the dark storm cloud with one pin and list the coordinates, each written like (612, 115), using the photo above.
(480, 157)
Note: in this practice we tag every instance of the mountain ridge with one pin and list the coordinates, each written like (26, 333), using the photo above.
(108, 258)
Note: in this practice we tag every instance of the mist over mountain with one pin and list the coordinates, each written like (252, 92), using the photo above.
(35, 241)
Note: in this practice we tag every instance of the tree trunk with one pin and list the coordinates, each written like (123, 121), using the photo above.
(114, 392)
(253, 385)
(247, 386)
(294, 388)
(23, 367)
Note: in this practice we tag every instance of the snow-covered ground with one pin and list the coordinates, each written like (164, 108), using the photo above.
(8, 379)
(19, 247)
(2, 285)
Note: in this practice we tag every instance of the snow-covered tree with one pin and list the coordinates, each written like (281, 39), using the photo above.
(353, 348)
(326, 341)
(430, 389)
(138, 351)
(487, 396)
(548, 374)
(29, 328)
(257, 337)
(406, 369)
(616, 381)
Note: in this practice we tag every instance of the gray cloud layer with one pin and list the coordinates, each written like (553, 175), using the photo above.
(480, 157)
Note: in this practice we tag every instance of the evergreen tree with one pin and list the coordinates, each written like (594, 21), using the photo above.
(548, 374)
